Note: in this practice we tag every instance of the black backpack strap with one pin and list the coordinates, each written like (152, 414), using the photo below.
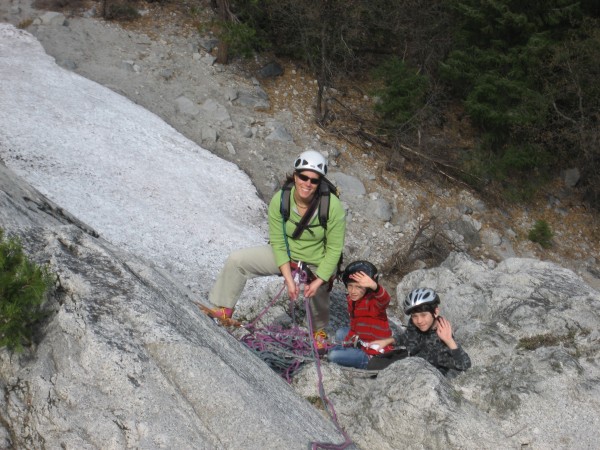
(284, 207)
(324, 193)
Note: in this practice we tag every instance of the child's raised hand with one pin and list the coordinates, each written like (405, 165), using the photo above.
(444, 332)
(364, 280)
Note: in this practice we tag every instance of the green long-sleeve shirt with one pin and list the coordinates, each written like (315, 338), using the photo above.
(316, 246)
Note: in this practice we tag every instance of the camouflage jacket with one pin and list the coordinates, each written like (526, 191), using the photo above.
(427, 345)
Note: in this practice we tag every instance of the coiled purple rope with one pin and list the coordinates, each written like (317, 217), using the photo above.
(285, 350)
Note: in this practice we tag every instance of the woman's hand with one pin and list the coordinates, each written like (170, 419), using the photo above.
(292, 288)
(444, 332)
(310, 290)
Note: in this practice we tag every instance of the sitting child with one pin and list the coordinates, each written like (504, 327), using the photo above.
(367, 302)
(428, 336)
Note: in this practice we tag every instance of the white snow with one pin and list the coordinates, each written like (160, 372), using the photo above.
(121, 169)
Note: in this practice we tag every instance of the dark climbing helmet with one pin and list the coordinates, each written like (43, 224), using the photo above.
(359, 266)
(311, 160)
(420, 297)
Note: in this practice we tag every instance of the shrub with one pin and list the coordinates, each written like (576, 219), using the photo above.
(23, 286)
(242, 39)
(541, 233)
(403, 94)
(119, 10)
(547, 340)
(57, 5)
(24, 24)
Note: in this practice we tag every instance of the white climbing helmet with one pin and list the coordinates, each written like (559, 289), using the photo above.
(420, 297)
(311, 160)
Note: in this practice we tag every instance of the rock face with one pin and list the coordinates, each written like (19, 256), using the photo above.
(532, 331)
(127, 360)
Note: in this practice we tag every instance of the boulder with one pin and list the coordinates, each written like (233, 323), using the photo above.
(531, 329)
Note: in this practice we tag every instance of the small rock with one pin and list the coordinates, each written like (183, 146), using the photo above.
(167, 74)
(571, 177)
(52, 18)
(231, 94)
(208, 44)
(271, 70)
(209, 60)
(184, 105)
(209, 134)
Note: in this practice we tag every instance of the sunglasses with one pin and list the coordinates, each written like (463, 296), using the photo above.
(305, 178)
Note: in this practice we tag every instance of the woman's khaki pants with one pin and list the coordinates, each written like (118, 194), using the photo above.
(247, 263)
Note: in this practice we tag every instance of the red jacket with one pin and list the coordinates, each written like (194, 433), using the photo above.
(368, 318)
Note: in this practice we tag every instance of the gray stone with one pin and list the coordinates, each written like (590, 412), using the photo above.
(252, 101)
(279, 133)
(467, 227)
(185, 106)
(231, 94)
(571, 177)
(490, 237)
(230, 148)
(465, 209)
(68, 64)
(271, 70)
(167, 74)
(208, 44)
(209, 60)
(380, 209)
(52, 18)
(215, 111)
(350, 186)
(262, 94)
(209, 134)
(130, 66)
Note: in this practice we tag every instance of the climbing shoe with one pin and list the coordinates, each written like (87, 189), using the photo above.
(220, 315)
(221, 312)
(320, 338)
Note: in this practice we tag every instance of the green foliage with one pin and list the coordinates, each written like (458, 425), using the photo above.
(547, 340)
(23, 286)
(54, 5)
(514, 66)
(496, 60)
(120, 10)
(541, 233)
(242, 39)
(403, 94)
(498, 104)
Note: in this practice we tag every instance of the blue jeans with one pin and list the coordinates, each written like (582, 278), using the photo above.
(347, 356)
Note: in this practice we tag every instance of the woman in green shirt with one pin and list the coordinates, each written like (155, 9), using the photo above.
(301, 237)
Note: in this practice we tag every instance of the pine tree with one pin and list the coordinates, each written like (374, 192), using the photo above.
(23, 285)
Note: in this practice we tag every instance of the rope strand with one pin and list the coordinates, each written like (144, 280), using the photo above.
(285, 350)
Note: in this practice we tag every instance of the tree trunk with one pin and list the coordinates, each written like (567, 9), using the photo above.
(226, 16)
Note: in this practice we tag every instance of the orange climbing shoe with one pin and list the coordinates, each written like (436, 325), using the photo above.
(221, 312)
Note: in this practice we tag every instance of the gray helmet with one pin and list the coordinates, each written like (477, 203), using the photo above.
(420, 297)
(311, 160)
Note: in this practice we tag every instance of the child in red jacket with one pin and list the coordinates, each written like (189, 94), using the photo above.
(367, 304)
